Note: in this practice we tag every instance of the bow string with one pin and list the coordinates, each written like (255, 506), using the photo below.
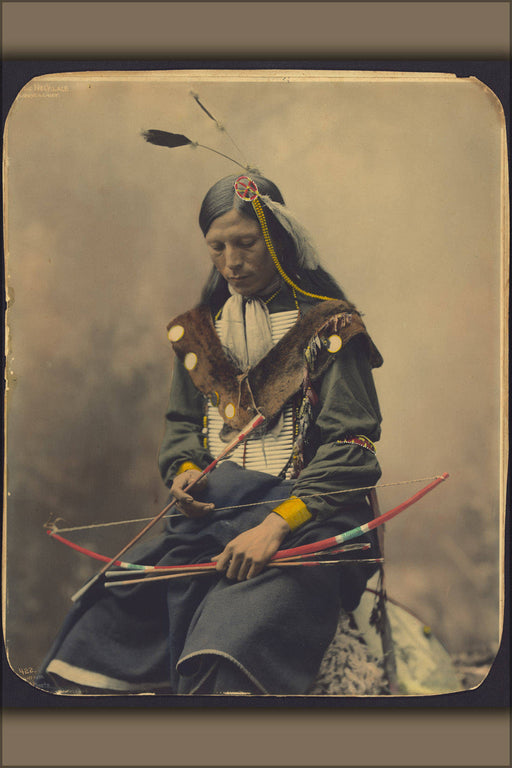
(305, 550)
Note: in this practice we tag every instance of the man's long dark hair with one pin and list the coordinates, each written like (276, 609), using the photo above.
(220, 199)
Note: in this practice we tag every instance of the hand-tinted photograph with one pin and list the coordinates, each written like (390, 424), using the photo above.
(255, 401)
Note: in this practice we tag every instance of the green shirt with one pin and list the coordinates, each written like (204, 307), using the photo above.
(348, 406)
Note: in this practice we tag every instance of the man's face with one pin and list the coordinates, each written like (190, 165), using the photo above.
(238, 250)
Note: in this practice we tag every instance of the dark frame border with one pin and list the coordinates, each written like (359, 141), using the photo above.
(494, 691)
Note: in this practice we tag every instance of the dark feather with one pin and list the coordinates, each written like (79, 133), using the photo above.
(166, 139)
(204, 108)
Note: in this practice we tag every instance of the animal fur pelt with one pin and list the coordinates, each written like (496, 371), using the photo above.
(348, 667)
(279, 375)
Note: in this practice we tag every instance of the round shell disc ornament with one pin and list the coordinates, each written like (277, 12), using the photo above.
(229, 411)
(190, 361)
(176, 332)
(246, 189)
(334, 343)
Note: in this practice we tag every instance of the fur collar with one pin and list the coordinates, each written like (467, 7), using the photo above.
(303, 352)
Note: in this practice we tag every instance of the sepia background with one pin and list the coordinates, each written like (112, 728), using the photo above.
(400, 184)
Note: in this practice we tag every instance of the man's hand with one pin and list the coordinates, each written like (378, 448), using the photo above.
(185, 501)
(247, 554)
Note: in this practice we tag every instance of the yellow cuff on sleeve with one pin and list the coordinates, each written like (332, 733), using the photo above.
(187, 465)
(294, 511)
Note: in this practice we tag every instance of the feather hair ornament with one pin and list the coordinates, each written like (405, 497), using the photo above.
(195, 96)
(221, 128)
(306, 252)
(167, 139)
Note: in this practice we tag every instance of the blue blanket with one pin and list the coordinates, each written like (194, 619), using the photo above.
(275, 628)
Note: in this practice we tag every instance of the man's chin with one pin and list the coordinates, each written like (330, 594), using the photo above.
(244, 289)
